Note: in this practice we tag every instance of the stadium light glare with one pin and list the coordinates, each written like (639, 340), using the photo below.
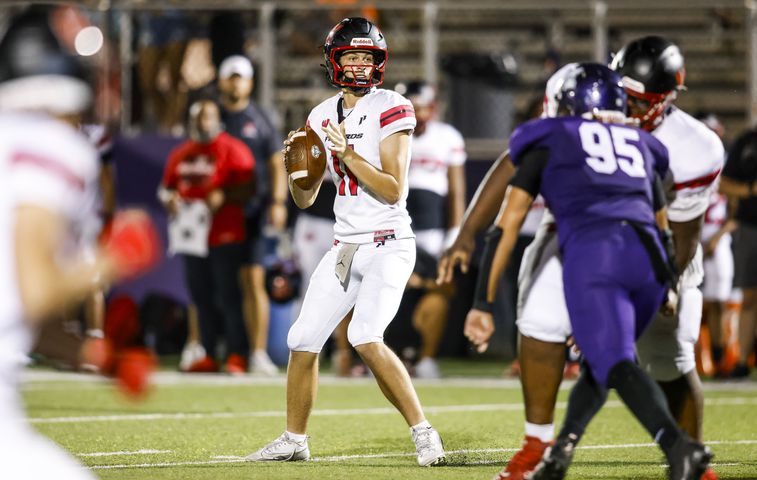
(88, 41)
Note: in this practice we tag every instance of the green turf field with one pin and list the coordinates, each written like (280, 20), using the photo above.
(199, 427)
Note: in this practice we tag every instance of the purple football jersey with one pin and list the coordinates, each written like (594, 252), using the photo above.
(595, 171)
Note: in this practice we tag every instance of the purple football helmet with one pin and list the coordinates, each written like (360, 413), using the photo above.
(592, 88)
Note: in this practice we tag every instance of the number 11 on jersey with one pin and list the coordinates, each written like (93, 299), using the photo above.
(342, 173)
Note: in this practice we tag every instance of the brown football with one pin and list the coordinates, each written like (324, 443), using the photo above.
(305, 158)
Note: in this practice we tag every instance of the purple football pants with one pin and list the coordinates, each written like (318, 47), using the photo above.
(611, 294)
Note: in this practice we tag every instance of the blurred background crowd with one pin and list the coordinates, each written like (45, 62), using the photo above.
(178, 83)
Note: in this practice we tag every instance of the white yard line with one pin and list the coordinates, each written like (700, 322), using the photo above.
(340, 458)
(122, 453)
(34, 379)
(491, 407)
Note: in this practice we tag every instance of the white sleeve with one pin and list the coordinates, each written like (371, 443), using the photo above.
(58, 174)
(397, 115)
(693, 194)
(457, 155)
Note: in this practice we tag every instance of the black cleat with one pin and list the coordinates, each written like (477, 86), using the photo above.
(688, 459)
(556, 460)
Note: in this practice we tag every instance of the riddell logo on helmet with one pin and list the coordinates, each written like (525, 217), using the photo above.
(361, 42)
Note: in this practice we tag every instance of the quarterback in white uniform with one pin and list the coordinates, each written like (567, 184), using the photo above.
(48, 177)
(368, 132)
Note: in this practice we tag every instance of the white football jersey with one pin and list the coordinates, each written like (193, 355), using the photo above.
(360, 216)
(48, 164)
(441, 146)
(696, 158)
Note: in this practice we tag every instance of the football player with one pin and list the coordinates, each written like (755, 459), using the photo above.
(652, 69)
(601, 180)
(368, 132)
(49, 179)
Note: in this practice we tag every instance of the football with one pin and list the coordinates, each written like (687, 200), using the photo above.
(305, 158)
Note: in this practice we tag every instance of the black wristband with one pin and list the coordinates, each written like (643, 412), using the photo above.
(480, 301)
(670, 250)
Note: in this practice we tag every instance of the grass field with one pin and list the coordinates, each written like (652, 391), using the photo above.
(199, 428)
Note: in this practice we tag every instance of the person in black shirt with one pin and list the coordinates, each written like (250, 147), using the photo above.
(245, 121)
(739, 182)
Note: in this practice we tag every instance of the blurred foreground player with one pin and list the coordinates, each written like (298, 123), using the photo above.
(49, 176)
(368, 132)
(601, 180)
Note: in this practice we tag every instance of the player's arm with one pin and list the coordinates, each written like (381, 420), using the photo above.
(277, 212)
(480, 214)
(488, 197)
(737, 189)
(515, 208)
(686, 236)
(455, 198)
(394, 151)
(47, 287)
(499, 245)
(500, 242)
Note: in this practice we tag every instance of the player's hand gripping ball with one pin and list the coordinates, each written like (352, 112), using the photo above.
(304, 157)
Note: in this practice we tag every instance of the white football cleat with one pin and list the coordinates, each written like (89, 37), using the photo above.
(191, 353)
(428, 445)
(283, 449)
(261, 364)
(427, 368)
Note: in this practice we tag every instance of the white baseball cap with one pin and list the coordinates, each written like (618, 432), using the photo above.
(236, 65)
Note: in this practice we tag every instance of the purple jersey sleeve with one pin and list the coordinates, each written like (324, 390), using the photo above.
(528, 136)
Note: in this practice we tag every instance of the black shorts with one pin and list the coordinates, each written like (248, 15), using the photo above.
(255, 244)
(745, 256)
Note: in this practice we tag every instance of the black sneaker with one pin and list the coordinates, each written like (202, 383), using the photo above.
(556, 460)
(740, 371)
(688, 459)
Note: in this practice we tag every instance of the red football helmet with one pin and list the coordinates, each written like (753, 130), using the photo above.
(355, 33)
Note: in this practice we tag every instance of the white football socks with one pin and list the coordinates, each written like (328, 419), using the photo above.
(545, 433)
(420, 426)
(297, 437)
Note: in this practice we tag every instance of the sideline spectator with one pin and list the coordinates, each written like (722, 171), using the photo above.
(250, 124)
(205, 184)
(163, 41)
(739, 182)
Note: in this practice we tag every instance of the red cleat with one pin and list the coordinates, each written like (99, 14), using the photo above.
(514, 370)
(572, 370)
(236, 364)
(96, 355)
(133, 369)
(203, 365)
(709, 474)
(524, 461)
